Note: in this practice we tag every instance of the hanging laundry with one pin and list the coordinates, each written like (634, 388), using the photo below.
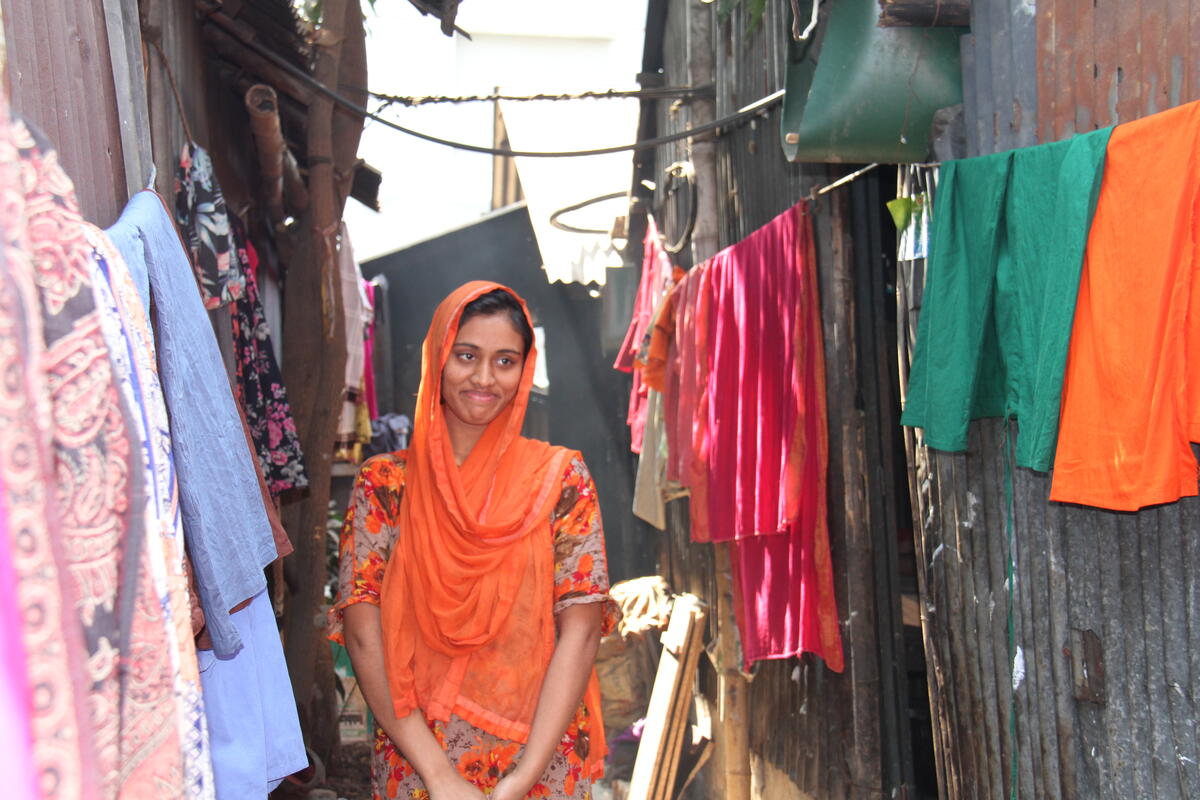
(768, 440)
(358, 315)
(65, 761)
(100, 490)
(1131, 402)
(204, 222)
(649, 502)
(253, 725)
(685, 400)
(761, 288)
(383, 363)
(259, 388)
(657, 278)
(228, 535)
(1008, 239)
(16, 734)
(369, 396)
(166, 662)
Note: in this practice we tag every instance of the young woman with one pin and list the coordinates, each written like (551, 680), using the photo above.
(474, 585)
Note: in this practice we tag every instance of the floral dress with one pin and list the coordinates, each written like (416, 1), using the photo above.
(580, 576)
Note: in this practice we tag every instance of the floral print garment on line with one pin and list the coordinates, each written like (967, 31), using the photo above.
(581, 576)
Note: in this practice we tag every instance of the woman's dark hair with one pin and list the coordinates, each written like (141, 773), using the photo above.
(500, 301)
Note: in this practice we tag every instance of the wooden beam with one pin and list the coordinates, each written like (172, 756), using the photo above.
(925, 13)
(228, 45)
(133, 108)
(657, 763)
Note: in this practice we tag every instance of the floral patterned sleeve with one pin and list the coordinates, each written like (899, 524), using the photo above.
(368, 535)
(580, 562)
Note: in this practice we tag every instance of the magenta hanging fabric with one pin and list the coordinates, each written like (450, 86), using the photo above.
(766, 447)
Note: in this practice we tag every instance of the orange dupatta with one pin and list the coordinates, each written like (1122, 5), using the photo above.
(466, 607)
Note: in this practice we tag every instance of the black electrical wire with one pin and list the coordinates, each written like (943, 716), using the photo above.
(645, 144)
(562, 226)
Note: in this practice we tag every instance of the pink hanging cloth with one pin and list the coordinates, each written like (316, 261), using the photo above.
(684, 399)
(766, 448)
(656, 280)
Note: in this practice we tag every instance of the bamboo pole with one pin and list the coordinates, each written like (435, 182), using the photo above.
(280, 174)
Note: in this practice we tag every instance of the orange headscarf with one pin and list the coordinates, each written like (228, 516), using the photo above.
(466, 607)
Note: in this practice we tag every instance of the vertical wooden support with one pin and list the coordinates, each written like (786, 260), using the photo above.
(733, 731)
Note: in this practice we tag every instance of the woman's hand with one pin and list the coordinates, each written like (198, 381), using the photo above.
(512, 786)
(452, 786)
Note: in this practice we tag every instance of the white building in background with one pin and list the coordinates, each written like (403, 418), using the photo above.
(523, 47)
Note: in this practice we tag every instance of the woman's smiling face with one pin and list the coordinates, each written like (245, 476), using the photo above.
(483, 370)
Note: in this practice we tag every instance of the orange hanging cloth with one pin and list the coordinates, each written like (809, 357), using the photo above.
(467, 597)
(1132, 389)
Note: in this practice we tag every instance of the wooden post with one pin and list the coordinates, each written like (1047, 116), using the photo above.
(314, 369)
(733, 709)
(732, 734)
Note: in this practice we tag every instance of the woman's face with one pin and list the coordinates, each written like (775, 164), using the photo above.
(483, 371)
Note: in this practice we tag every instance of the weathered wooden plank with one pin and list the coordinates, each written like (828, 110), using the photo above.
(125, 49)
(1034, 489)
(676, 667)
(1115, 549)
(1047, 76)
(958, 559)
(1059, 634)
(1029, 755)
(1154, 77)
(1157, 522)
(1141, 722)
(1192, 59)
(1082, 90)
(1003, 74)
(953, 508)
(1086, 613)
(1023, 24)
(1190, 591)
(966, 54)
(997, 680)
(1129, 69)
(924, 13)
(61, 81)
(985, 97)
(1108, 59)
(1063, 91)
(1175, 51)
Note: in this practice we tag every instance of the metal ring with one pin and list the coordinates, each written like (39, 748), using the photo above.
(686, 171)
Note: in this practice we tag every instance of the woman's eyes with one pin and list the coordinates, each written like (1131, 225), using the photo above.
(506, 361)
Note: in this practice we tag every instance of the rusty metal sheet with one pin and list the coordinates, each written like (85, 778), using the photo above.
(1124, 59)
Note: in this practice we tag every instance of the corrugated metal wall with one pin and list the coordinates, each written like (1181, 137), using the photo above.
(1105, 62)
(823, 734)
(1106, 606)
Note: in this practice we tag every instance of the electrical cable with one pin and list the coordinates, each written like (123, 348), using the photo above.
(662, 93)
(562, 226)
(645, 144)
